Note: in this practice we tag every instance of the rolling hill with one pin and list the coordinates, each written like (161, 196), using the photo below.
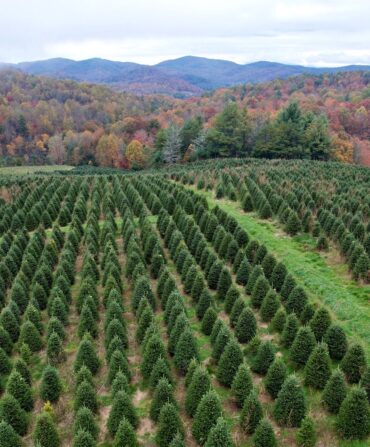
(183, 77)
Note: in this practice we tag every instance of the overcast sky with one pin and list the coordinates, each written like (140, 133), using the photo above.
(317, 33)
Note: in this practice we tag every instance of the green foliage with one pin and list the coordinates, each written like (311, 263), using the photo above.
(354, 363)
(220, 436)
(84, 420)
(20, 389)
(169, 425)
(278, 322)
(121, 408)
(251, 413)
(152, 351)
(209, 320)
(8, 437)
(306, 435)
(242, 384)
(351, 427)
(205, 301)
(45, 433)
(206, 416)
(264, 358)
(86, 355)
(336, 339)
(229, 362)
(246, 326)
(160, 370)
(320, 323)
(231, 296)
(12, 413)
(30, 336)
(290, 406)
(51, 385)
(83, 439)
(290, 330)
(163, 394)
(269, 306)
(85, 396)
(186, 350)
(125, 435)
(264, 435)
(303, 345)
(334, 392)
(275, 377)
(259, 291)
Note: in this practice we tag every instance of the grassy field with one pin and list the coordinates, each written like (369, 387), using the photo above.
(324, 276)
(24, 170)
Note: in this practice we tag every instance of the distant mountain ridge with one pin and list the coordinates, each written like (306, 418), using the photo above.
(182, 77)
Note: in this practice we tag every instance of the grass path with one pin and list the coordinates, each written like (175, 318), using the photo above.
(325, 280)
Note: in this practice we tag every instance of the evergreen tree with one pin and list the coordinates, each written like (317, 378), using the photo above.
(186, 350)
(169, 425)
(290, 406)
(317, 371)
(163, 394)
(86, 397)
(297, 300)
(178, 441)
(122, 408)
(290, 330)
(242, 384)
(209, 320)
(160, 370)
(118, 362)
(51, 385)
(303, 345)
(54, 348)
(214, 275)
(83, 439)
(288, 285)
(264, 435)
(84, 420)
(236, 311)
(334, 392)
(278, 276)
(87, 323)
(206, 416)
(152, 351)
(246, 326)
(191, 370)
(336, 339)
(12, 413)
(264, 358)
(8, 437)
(229, 362)
(243, 273)
(5, 365)
(205, 301)
(259, 292)
(354, 415)
(354, 363)
(45, 433)
(320, 323)
(269, 306)
(219, 435)
(86, 355)
(20, 390)
(198, 387)
(231, 296)
(30, 335)
(222, 340)
(279, 320)
(125, 435)
(365, 382)
(251, 413)
(306, 435)
(275, 377)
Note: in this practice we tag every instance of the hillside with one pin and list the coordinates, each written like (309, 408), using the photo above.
(182, 77)
(34, 109)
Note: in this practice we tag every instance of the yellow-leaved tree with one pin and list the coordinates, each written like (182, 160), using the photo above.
(135, 154)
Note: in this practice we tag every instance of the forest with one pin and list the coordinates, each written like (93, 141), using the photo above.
(221, 303)
(46, 121)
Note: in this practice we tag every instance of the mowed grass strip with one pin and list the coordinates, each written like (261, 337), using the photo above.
(325, 282)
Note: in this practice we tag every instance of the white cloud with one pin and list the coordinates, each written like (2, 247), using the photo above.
(313, 32)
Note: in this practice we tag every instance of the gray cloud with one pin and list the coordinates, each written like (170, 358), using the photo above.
(325, 32)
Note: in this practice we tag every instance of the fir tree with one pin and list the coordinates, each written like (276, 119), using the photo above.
(365, 382)
(290, 330)
(354, 363)
(160, 370)
(163, 394)
(83, 439)
(169, 425)
(317, 370)
(30, 335)
(208, 321)
(118, 362)
(152, 351)
(320, 323)
(86, 397)
(199, 386)
(336, 339)
(231, 296)
(275, 377)
(290, 406)
(334, 392)
(279, 320)
(243, 273)
(242, 384)
(306, 435)
(86, 355)
(8, 437)
(186, 350)
(264, 358)
(297, 300)
(125, 435)
(84, 420)
(206, 416)
(264, 435)
(259, 292)
(355, 404)
(278, 276)
(246, 326)
(45, 433)
(205, 301)
(12, 413)
(229, 363)
(20, 390)
(54, 348)
(51, 385)
(122, 408)
(269, 306)
(251, 413)
(191, 370)
(236, 311)
(5, 365)
(303, 345)
(87, 323)
(219, 435)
